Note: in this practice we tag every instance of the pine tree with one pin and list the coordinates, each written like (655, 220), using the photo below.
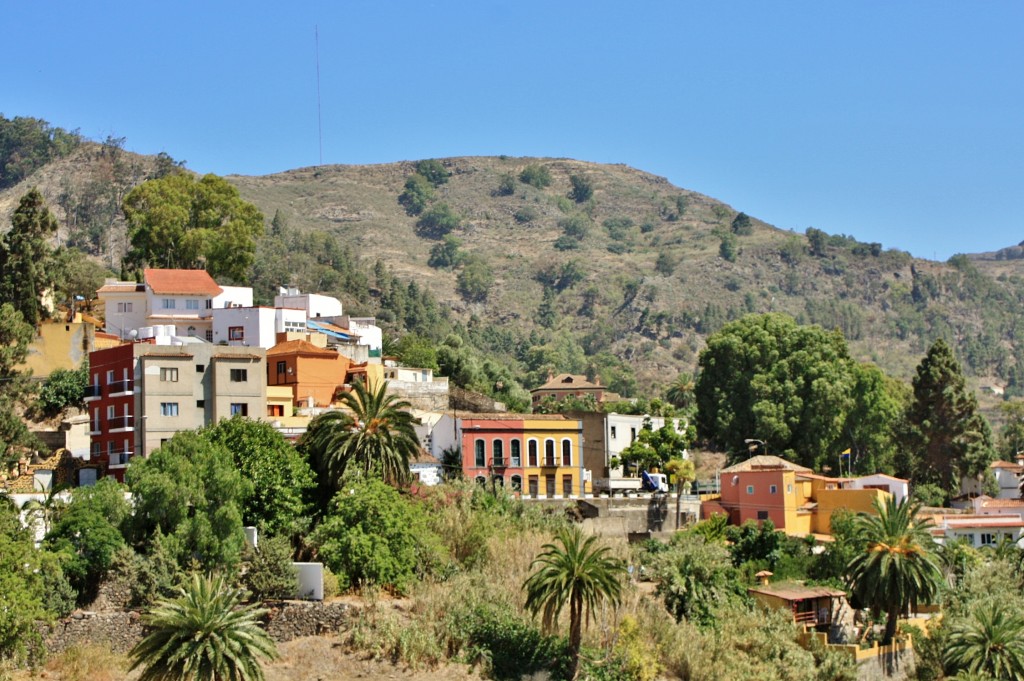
(949, 437)
(25, 257)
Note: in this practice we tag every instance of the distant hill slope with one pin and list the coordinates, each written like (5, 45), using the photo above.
(646, 283)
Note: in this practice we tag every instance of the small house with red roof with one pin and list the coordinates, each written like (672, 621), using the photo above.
(571, 385)
(313, 373)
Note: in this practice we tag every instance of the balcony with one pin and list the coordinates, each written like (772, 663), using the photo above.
(549, 462)
(95, 428)
(498, 462)
(120, 388)
(120, 457)
(120, 424)
(93, 392)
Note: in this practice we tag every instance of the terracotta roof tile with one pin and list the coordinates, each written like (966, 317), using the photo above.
(765, 462)
(181, 282)
(302, 347)
(121, 287)
(569, 382)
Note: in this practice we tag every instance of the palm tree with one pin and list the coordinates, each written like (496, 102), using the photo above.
(680, 392)
(374, 435)
(203, 635)
(578, 571)
(989, 644)
(897, 569)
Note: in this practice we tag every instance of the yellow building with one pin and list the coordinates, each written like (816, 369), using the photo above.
(553, 465)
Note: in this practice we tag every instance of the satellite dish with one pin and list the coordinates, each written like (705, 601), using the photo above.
(133, 334)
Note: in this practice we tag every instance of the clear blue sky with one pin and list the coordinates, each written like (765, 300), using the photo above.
(894, 122)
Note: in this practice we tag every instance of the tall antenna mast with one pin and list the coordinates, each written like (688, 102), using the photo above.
(319, 118)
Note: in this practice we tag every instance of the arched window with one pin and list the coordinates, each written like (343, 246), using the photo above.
(517, 483)
(498, 481)
(531, 453)
(481, 456)
(549, 452)
(481, 480)
(566, 452)
(497, 448)
(515, 454)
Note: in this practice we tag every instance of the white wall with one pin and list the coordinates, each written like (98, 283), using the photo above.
(898, 488)
(314, 304)
(233, 296)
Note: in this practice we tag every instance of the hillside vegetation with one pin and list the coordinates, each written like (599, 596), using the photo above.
(562, 265)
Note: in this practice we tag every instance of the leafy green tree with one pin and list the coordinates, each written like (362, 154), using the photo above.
(438, 221)
(535, 175)
(205, 634)
(191, 492)
(694, 577)
(63, 389)
(373, 436)
(950, 437)
(582, 189)
(418, 193)
(15, 385)
(989, 644)
(373, 535)
(665, 264)
(561, 276)
(575, 226)
(816, 242)
(741, 225)
(27, 144)
(727, 249)
(270, 573)
(433, 171)
(755, 543)
(89, 533)
(474, 280)
(576, 571)
(897, 568)
(874, 423)
(25, 257)
(21, 598)
(280, 477)
(177, 221)
(446, 254)
(652, 448)
(75, 274)
(1011, 437)
(414, 350)
(764, 376)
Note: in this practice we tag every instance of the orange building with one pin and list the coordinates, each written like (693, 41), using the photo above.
(314, 374)
(793, 497)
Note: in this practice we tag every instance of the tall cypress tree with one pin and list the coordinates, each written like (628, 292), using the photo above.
(25, 257)
(950, 438)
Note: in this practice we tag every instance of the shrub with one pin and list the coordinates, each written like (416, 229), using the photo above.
(526, 214)
(566, 243)
(474, 280)
(64, 388)
(727, 248)
(507, 185)
(582, 190)
(575, 226)
(418, 193)
(270, 572)
(445, 255)
(437, 221)
(536, 175)
(665, 265)
(741, 225)
(434, 171)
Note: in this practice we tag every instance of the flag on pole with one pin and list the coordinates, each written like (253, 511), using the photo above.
(846, 453)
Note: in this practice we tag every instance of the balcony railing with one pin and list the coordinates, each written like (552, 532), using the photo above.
(121, 387)
(549, 461)
(120, 457)
(93, 391)
(95, 428)
(498, 462)
(120, 422)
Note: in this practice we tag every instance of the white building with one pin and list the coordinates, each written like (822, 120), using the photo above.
(979, 530)
(897, 487)
(256, 326)
(314, 304)
(621, 430)
(1008, 477)
(986, 505)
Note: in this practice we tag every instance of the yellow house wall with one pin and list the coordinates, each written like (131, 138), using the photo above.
(60, 346)
(856, 500)
(374, 376)
(556, 430)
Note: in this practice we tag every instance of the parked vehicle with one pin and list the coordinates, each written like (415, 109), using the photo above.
(647, 482)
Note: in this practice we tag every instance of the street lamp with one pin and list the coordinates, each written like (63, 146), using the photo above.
(753, 444)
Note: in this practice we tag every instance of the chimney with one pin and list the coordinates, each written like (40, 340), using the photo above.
(763, 577)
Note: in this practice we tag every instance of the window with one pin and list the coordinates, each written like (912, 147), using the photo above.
(168, 303)
(209, 304)
(566, 485)
(96, 449)
(169, 374)
(191, 331)
(497, 448)
(515, 449)
(613, 432)
(239, 375)
(481, 480)
(275, 410)
(534, 483)
(239, 409)
(566, 452)
(191, 304)
(750, 489)
(987, 539)
(236, 333)
(110, 411)
(632, 435)
(480, 455)
(124, 307)
(168, 409)
(282, 367)
(773, 489)
(762, 515)
(209, 335)
(789, 488)
(531, 453)
(549, 453)
(517, 483)
(200, 368)
(200, 404)
(110, 376)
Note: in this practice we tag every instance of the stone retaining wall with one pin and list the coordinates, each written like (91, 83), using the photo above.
(121, 630)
